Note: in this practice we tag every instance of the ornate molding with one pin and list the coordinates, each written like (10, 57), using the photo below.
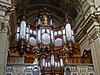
(4, 28)
(93, 36)
(6, 6)
(84, 26)
(91, 26)
(94, 29)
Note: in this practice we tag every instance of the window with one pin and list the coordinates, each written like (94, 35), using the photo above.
(35, 71)
(68, 72)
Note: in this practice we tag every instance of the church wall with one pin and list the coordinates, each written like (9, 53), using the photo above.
(83, 27)
(87, 32)
(4, 27)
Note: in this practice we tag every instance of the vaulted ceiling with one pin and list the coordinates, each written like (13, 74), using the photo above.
(57, 7)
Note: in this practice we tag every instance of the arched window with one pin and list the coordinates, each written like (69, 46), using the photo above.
(35, 71)
(68, 72)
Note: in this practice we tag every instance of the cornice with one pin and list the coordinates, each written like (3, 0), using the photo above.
(94, 30)
(85, 25)
(81, 18)
(4, 6)
(5, 3)
(83, 30)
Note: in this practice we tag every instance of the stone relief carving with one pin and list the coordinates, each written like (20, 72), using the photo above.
(94, 30)
(2, 25)
(93, 36)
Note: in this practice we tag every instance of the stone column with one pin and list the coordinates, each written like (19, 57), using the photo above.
(4, 43)
(94, 41)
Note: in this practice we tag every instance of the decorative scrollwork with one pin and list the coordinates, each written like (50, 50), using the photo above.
(93, 36)
(2, 26)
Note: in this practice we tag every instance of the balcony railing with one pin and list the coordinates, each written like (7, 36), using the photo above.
(34, 69)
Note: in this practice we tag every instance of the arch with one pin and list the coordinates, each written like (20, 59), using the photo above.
(36, 70)
(68, 72)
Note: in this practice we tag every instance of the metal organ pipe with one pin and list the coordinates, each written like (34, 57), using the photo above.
(22, 29)
(68, 32)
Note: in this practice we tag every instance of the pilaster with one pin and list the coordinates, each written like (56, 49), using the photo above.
(4, 42)
(87, 31)
(94, 42)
